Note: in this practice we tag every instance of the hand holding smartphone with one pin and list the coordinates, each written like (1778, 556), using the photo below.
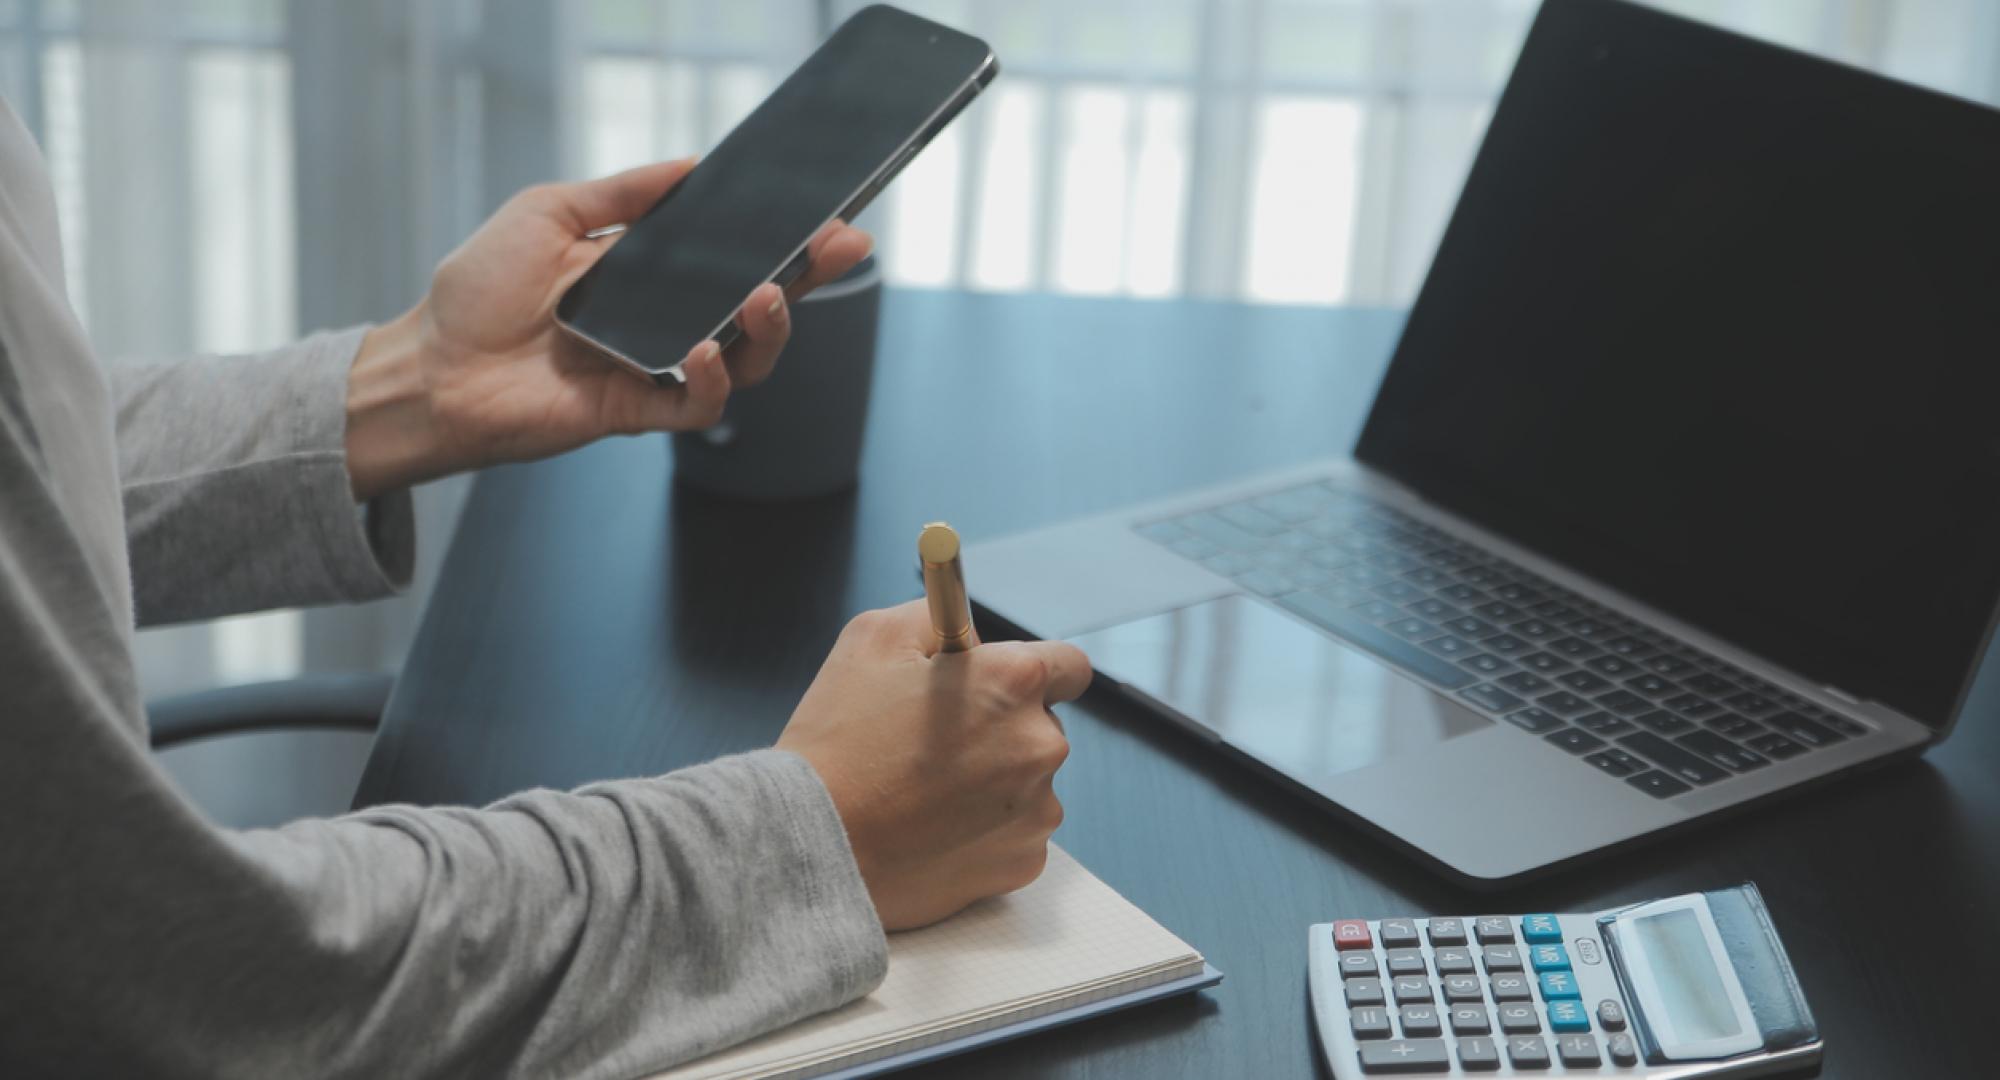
(818, 150)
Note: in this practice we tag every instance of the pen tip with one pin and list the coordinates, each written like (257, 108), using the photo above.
(938, 543)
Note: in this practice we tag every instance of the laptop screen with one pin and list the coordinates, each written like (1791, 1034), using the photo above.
(1718, 324)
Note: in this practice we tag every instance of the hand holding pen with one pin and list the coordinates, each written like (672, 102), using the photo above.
(940, 757)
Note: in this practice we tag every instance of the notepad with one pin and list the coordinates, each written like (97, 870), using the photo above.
(1060, 946)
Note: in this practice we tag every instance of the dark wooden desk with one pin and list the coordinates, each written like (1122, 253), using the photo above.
(593, 622)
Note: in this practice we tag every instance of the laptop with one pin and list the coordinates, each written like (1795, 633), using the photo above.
(1682, 487)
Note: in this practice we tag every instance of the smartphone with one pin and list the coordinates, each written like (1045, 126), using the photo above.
(825, 143)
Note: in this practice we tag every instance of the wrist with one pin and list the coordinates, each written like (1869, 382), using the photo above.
(392, 435)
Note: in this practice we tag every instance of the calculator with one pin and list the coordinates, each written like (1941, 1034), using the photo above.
(1689, 986)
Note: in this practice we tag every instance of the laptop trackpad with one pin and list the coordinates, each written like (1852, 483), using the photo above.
(1303, 702)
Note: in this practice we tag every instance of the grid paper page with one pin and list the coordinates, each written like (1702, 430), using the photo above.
(1066, 940)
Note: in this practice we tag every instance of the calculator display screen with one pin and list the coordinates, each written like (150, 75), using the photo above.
(1684, 971)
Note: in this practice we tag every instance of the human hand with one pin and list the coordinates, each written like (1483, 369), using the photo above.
(477, 373)
(941, 765)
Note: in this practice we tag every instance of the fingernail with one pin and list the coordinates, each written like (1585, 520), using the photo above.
(778, 307)
(710, 350)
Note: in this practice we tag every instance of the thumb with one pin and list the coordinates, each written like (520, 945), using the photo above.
(620, 198)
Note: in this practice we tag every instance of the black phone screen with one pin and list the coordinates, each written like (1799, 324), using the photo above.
(877, 87)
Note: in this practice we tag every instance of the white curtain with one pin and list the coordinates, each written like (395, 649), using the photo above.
(233, 172)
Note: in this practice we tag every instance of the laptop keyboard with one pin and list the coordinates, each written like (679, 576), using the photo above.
(1626, 700)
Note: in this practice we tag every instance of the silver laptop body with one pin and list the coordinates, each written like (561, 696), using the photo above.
(1320, 622)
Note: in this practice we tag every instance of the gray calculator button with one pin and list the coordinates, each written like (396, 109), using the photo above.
(1420, 1020)
(1357, 965)
(1578, 1052)
(1502, 958)
(1520, 1020)
(1462, 988)
(1511, 986)
(1411, 989)
(1406, 962)
(1452, 961)
(1621, 1050)
(1370, 1023)
(1447, 932)
(1527, 1052)
(1364, 992)
(1404, 1056)
(1610, 1015)
(1470, 1020)
(1398, 933)
(1478, 1055)
(1494, 929)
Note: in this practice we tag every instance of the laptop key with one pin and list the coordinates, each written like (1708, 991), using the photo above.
(1629, 647)
(1563, 703)
(1497, 610)
(1554, 611)
(1653, 686)
(1616, 762)
(1449, 647)
(1723, 752)
(1658, 784)
(1591, 630)
(1428, 577)
(1665, 723)
(1533, 629)
(1583, 682)
(1709, 684)
(1231, 563)
(1613, 667)
(1470, 627)
(1376, 610)
(1574, 741)
(1692, 705)
(1516, 593)
(1667, 664)
(1463, 594)
(1750, 703)
(1624, 702)
(1411, 629)
(1505, 645)
(1603, 723)
(1534, 721)
(1800, 729)
(1732, 725)
(1430, 607)
(1683, 765)
(1352, 628)
(1546, 663)
(1491, 698)
(1486, 664)
(1775, 746)
(1573, 647)
(1398, 592)
(1525, 682)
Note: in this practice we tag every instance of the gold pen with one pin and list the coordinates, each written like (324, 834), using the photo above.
(944, 587)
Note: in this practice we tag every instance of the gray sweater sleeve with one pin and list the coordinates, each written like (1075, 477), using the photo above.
(234, 472)
(606, 932)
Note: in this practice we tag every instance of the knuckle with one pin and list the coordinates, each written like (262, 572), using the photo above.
(1052, 751)
(1021, 674)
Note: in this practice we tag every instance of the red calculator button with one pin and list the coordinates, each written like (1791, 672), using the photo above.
(1352, 934)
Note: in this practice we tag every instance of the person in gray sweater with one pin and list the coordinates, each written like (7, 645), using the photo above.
(604, 932)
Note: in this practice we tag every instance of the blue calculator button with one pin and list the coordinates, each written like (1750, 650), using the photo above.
(1540, 929)
(1549, 958)
(1568, 1016)
(1558, 984)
